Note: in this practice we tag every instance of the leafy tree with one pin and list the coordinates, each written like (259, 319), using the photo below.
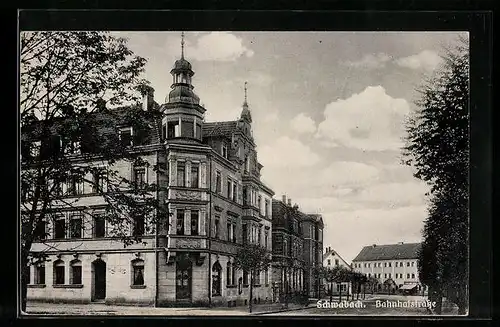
(67, 80)
(338, 275)
(437, 147)
(253, 259)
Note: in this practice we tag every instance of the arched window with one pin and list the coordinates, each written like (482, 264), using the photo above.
(216, 279)
(75, 272)
(229, 274)
(138, 272)
(59, 272)
(233, 274)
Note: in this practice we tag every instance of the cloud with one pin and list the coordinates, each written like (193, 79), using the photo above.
(253, 78)
(391, 195)
(271, 117)
(348, 173)
(303, 124)
(370, 61)
(370, 120)
(427, 59)
(218, 46)
(287, 152)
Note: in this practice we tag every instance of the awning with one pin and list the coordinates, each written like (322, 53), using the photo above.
(408, 286)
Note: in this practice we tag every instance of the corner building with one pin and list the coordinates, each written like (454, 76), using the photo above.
(210, 181)
(216, 199)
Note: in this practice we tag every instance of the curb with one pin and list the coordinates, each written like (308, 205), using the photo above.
(281, 310)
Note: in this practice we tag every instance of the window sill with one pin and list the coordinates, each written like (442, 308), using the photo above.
(257, 285)
(245, 285)
(137, 286)
(36, 286)
(67, 286)
(231, 286)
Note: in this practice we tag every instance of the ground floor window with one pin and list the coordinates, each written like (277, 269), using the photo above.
(59, 272)
(138, 272)
(216, 279)
(76, 272)
(40, 274)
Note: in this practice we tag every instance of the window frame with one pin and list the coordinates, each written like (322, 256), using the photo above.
(128, 129)
(181, 166)
(218, 181)
(75, 266)
(59, 272)
(195, 168)
(180, 216)
(75, 217)
(56, 219)
(39, 272)
(137, 269)
(197, 215)
(98, 216)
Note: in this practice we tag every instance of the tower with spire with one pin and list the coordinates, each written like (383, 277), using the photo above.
(183, 114)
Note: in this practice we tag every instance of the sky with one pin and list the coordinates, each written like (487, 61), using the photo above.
(328, 113)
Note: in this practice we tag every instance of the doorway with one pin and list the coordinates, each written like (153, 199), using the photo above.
(99, 280)
(183, 277)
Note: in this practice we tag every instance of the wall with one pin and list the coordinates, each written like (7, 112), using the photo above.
(118, 280)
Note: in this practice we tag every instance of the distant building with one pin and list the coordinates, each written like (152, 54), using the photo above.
(297, 245)
(395, 266)
(331, 259)
(312, 228)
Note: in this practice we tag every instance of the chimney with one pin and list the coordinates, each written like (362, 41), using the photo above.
(283, 198)
(289, 202)
(147, 97)
(374, 245)
(400, 243)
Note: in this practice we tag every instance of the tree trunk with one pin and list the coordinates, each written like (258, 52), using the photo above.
(250, 294)
(364, 291)
(331, 292)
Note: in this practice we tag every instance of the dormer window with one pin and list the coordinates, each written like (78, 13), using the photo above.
(126, 136)
(70, 147)
(224, 150)
(35, 148)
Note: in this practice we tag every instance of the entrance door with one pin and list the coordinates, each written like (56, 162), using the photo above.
(183, 280)
(99, 280)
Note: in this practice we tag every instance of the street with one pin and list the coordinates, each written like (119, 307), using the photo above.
(369, 308)
(375, 305)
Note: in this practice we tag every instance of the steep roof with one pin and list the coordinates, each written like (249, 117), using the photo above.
(105, 120)
(221, 128)
(333, 252)
(389, 252)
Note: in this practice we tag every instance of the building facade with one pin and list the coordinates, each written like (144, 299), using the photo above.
(332, 258)
(208, 179)
(312, 229)
(394, 266)
(297, 238)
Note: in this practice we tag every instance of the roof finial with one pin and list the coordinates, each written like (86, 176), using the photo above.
(246, 92)
(182, 45)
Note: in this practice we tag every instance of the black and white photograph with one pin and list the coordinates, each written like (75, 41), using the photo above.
(243, 173)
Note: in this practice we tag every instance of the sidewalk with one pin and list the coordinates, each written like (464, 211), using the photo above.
(116, 310)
